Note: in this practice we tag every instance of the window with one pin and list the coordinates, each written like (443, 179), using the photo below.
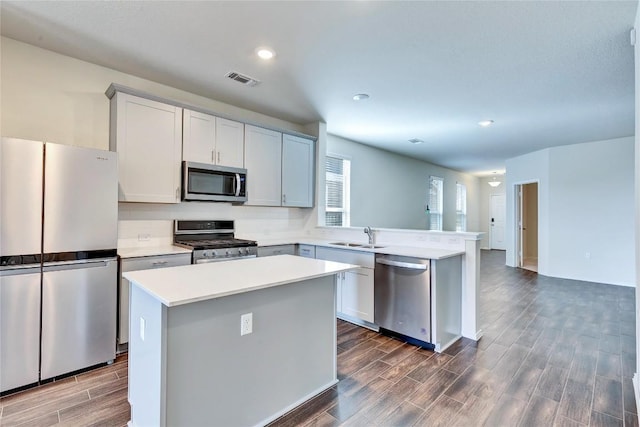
(434, 203)
(461, 207)
(338, 172)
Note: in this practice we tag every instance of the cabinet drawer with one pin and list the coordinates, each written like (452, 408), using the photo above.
(363, 259)
(276, 250)
(146, 263)
(307, 251)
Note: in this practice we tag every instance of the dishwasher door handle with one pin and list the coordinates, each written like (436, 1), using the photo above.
(401, 264)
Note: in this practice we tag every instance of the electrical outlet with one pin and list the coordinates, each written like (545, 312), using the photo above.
(587, 255)
(142, 328)
(144, 237)
(246, 324)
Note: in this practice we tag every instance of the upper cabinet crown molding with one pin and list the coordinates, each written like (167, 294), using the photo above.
(115, 88)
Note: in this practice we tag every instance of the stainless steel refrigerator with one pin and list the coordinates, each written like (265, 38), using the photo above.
(58, 267)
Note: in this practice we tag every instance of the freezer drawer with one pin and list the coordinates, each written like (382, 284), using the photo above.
(19, 327)
(141, 263)
(79, 303)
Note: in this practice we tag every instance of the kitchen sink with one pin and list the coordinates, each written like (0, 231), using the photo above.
(356, 245)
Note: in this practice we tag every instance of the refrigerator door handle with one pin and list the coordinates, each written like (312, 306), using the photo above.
(74, 265)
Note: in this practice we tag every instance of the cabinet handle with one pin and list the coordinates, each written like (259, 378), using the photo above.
(218, 157)
(177, 193)
(213, 156)
(284, 198)
(159, 263)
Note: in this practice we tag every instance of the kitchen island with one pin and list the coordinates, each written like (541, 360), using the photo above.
(189, 363)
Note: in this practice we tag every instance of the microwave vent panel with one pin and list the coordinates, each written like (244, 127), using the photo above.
(241, 78)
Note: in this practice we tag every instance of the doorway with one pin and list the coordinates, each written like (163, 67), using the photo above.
(527, 225)
(497, 215)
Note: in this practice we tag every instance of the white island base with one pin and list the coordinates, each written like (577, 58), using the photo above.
(188, 363)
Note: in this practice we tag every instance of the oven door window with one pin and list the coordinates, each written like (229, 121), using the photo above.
(203, 182)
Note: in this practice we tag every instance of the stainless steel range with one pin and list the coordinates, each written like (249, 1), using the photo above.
(212, 241)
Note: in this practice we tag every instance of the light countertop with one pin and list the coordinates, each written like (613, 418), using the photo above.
(411, 251)
(142, 251)
(191, 283)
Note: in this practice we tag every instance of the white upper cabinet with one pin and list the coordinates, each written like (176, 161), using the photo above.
(263, 161)
(229, 143)
(297, 171)
(147, 136)
(212, 140)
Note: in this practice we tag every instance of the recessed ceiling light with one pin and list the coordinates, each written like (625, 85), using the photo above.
(416, 141)
(265, 53)
(485, 123)
(360, 97)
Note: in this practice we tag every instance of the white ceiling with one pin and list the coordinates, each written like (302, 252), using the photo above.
(548, 72)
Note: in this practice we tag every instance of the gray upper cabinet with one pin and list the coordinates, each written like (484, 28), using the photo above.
(297, 171)
(280, 168)
(263, 161)
(212, 140)
(147, 135)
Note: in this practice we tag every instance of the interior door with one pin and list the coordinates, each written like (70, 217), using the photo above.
(498, 213)
(81, 199)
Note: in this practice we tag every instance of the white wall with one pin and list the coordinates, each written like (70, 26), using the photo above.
(52, 97)
(585, 218)
(389, 190)
(486, 191)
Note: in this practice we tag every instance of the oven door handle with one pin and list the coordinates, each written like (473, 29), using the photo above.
(237, 184)
(409, 265)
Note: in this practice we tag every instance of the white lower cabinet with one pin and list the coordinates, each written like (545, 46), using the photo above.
(355, 287)
(141, 263)
(357, 294)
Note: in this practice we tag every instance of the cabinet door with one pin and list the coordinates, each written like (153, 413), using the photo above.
(148, 139)
(141, 263)
(229, 143)
(199, 137)
(276, 250)
(357, 294)
(263, 161)
(297, 171)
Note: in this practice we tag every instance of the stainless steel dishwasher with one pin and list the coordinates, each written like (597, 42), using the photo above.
(402, 298)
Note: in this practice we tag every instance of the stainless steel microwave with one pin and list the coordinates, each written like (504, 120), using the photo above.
(203, 182)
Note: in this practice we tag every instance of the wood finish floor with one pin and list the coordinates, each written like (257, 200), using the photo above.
(554, 353)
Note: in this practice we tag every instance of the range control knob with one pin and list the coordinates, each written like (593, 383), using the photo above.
(205, 254)
(214, 254)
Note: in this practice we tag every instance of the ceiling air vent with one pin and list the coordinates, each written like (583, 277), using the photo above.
(245, 80)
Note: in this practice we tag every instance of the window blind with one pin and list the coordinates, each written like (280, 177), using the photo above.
(337, 191)
(461, 207)
(435, 202)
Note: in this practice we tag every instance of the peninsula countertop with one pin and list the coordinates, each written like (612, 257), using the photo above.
(198, 282)
(386, 249)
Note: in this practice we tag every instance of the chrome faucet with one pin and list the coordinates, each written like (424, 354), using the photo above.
(370, 233)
